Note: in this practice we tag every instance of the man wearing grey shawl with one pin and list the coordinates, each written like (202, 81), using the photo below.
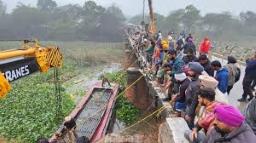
(250, 114)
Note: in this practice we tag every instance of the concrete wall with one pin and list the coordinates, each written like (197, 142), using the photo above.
(172, 131)
(138, 94)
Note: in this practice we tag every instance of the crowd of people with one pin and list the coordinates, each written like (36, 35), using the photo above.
(197, 86)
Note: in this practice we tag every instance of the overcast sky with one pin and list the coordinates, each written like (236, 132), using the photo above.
(133, 7)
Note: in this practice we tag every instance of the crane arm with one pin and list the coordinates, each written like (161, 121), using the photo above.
(152, 24)
(18, 63)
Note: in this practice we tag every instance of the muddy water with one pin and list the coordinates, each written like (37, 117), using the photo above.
(77, 86)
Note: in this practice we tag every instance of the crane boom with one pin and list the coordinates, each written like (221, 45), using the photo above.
(32, 57)
(152, 24)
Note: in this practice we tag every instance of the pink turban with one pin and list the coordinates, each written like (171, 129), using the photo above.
(229, 115)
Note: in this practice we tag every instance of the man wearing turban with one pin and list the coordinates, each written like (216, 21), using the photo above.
(230, 127)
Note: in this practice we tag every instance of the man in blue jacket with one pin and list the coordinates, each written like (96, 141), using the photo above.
(221, 76)
(249, 77)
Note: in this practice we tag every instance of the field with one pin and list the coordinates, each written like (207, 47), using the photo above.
(28, 111)
(241, 48)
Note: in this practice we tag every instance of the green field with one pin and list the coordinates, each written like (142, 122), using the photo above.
(28, 111)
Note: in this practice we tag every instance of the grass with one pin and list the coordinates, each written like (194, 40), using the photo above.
(28, 111)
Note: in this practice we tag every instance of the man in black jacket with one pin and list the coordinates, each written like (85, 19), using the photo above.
(250, 75)
(194, 70)
(205, 62)
(189, 45)
(190, 57)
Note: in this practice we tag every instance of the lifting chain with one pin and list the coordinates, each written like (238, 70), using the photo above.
(57, 94)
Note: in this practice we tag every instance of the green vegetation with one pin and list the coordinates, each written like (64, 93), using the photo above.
(125, 111)
(118, 77)
(28, 111)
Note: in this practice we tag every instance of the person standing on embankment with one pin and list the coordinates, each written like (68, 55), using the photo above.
(249, 77)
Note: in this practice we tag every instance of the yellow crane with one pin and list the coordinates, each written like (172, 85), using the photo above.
(32, 57)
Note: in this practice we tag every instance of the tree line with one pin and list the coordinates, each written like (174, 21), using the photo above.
(220, 26)
(48, 21)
